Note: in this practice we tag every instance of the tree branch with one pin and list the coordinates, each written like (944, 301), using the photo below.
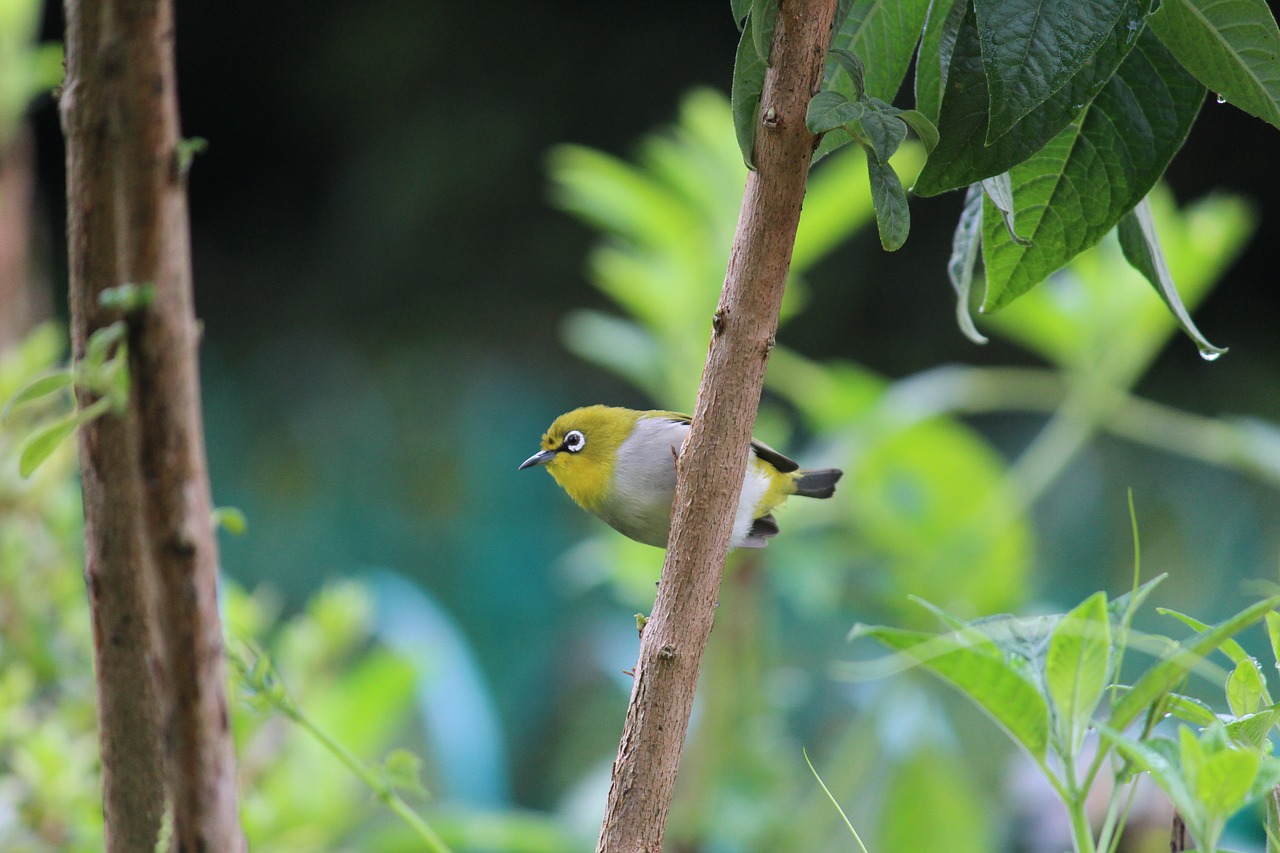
(151, 557)
(711, 468)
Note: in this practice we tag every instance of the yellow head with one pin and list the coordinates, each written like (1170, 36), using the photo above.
(579, 450)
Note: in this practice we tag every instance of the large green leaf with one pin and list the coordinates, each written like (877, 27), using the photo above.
(883, 34)
(933, 62)
(979, 669)
(1077, 667)
(964, 154)
(1076, 189)
(1031, 48)
(1231, 46)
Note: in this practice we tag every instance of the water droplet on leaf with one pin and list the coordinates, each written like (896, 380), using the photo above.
(1210, 354)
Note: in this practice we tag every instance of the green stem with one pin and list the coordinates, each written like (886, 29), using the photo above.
(379, 786)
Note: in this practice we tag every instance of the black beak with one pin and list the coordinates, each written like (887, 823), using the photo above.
(542, 457)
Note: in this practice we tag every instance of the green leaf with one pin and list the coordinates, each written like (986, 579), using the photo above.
(883, 35)
(966, 243)
(920, 123)
(1220, 779)
(977, 667)
(1077, 667)
(1190, 709)
(740, 9)
(1253, 730)
(880, 131)
(744, 97)
(1076, 189)
(931, 803)
(41, 386)
(42, 445)
(1032, 48)
(893, 217)
(1171, 669)
(101, 342)
(1232, 649)
(1160, 758)
(933, 61)
(230, 519)
(829, 110)
(999, 190)
(403, 770)
(764, 17)
(853, 68)
(1141, 246)
(964, 154)
(1231, 46)
(1273, 634)
(1247, 689)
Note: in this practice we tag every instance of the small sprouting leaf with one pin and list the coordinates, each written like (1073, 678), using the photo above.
(1077, 667)
(829, 110)
(1141, 246)
(230, 519)
(852, 65)
(744, 96)
(41, 386)
(965, 247)
(187, 150)
(404, 772)
(128, 297)
(882, 131)
(42, 445)
(1246, 689)
(893, 217)
(764, 17)
(977, 667)
(101, 342)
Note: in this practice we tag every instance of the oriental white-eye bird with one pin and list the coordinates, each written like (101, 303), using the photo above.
(620, 464)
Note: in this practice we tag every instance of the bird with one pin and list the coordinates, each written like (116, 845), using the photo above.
(620, 465)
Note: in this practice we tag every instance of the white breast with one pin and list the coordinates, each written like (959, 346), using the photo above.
(644, 485)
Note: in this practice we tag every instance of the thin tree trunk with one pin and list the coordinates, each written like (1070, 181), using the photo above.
(1179, 838)
(21, 302)
(711, 467)
(151, 557)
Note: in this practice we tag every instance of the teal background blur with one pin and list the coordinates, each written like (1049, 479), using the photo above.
(383, 281)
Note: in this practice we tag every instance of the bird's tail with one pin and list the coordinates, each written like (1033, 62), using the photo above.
(820, 483)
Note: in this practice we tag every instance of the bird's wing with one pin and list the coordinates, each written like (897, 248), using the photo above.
(784, 464)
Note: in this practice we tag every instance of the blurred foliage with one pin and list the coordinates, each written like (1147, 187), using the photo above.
(296, 795)
(928, 506)
(26, 67)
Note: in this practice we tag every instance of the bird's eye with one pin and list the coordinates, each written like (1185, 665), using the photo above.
(574, 441)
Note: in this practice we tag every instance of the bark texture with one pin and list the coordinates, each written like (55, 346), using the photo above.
(711, 468)
(151, 556)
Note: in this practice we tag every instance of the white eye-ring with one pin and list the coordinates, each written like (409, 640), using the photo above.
(574, 441)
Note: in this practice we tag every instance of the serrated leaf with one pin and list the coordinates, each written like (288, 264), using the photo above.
(964, 154)
(1032, 48)
(1161, 677)
(41, 386)
(1141, 247)
(744, 96)
(829, 110)
(980, 671)
(1231, 46)
(966, 244)
(1075, 190)
(933, 60)
(893, 217)
(1246, 689)
(883, 35)
(764, 17)
(42, 445)
(1076, 668)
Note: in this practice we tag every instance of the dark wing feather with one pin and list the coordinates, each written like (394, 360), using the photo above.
(763, 451)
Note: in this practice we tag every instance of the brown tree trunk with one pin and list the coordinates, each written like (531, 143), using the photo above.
(22, 303)
(151, 557)
(711, 467)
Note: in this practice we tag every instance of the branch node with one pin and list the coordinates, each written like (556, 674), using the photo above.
(719, 319)
(771, 119)
(667, 652)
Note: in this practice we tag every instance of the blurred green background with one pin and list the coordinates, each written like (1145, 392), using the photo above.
(423, 229)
